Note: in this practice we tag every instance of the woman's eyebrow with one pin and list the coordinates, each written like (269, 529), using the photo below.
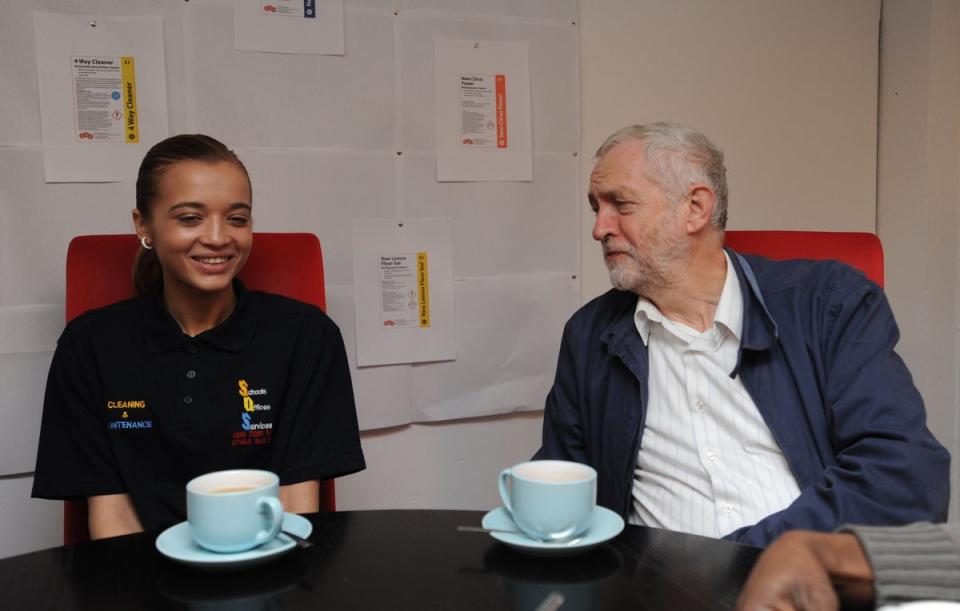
(187, 205)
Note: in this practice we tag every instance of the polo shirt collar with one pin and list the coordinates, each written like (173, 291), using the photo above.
(163, 334)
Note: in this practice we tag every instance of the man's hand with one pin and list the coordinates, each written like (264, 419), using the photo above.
(800, 571)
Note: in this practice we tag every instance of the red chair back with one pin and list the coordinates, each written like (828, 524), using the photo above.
(100, 272)
(860, 250)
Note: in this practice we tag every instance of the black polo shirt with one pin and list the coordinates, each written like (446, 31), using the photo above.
(134, 405)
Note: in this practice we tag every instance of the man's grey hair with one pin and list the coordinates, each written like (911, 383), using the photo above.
(678, 157)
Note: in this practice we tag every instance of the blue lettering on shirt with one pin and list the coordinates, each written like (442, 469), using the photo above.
(131, 424)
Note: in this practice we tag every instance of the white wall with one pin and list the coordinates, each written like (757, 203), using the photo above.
(918, 196)
(451, 465)
(27, 524)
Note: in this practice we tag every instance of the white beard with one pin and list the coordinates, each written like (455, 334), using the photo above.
(658, 269)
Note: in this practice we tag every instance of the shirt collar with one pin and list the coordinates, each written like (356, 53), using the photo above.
(759, 332)
(729, 311)
(644, 315)
(163, 333)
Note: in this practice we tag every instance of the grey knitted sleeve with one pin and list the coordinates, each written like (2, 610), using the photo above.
(918, 561)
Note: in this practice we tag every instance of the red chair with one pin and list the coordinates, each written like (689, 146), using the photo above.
(100, 272)
(860, 250)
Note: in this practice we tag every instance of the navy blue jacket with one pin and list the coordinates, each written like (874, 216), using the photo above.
(816, 356)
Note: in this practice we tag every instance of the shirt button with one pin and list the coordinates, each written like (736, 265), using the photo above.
(188, 399)
(699, 405)
(192, 349)
(726, 508)
(711, 456)
(191, 373)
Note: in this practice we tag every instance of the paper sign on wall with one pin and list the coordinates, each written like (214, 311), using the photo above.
(403, 287)
(483, 111)
(103, 97)
(404, 290)
(311, 27)
(297, 9)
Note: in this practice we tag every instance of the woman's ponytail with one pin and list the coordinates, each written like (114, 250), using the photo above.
(147, 273)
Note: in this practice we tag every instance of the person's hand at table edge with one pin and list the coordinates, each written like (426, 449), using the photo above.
(806, 570)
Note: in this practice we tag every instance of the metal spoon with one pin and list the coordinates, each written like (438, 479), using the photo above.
(300, 541)
(478, 529)
(551, 603)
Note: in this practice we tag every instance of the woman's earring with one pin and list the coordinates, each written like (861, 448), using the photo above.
(143, 242)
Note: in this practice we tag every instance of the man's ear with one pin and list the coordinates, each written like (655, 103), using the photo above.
(700, 204)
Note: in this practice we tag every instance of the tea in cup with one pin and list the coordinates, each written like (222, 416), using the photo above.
(550, 500)
(233, 511)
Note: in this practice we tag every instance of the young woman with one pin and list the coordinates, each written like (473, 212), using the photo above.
(196, 374)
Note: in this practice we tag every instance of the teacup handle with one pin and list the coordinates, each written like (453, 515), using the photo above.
(272, 504)
(504, 492)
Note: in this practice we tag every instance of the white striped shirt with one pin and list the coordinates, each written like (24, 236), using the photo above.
(708, 463)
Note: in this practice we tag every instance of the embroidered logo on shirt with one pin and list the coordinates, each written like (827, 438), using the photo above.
(254, 430)
(128, 416)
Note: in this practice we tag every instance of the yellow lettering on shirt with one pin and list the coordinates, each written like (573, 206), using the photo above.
(126, 404)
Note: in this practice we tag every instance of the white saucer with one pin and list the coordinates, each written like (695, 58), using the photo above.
(604, 525)
(177, 544)
(922, 605)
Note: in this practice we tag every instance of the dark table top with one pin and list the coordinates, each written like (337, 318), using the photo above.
(404, 559)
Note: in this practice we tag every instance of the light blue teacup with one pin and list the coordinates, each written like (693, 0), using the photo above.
(233, 511)
(550, 500)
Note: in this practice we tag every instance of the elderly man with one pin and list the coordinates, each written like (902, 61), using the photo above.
(729, 395)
